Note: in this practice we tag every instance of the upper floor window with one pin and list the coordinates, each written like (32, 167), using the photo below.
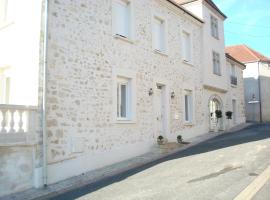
(233, 75)
(216, 63)
(186, 46)
(4, 89)
(159, 34)
(188, 106)
(214, 27)
(121, 22)
(3, 11)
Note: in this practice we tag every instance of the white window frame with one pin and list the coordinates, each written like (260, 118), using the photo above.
(116, 34)
(216, 63)
(190, 115)
(188, 60)
(123, 82)
(163, 19)
(214, 27)
(127, 77)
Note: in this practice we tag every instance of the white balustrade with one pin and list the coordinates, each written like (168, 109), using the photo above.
(16, 118)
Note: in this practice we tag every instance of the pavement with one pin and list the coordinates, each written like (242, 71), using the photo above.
(213, 166)
(264, 193)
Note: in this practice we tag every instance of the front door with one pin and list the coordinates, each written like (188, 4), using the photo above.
(160, 109)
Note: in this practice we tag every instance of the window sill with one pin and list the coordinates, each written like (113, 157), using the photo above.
(188, 63)
(188, 123)
(119, 37)
(233, 86)
(160, 52)
(125, 121)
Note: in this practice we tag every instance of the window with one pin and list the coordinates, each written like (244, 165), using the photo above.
(233, 75)
(159, 35)
(188, 106)
(121, 10)
(186, 47)
(214, 27)
(216, 63)
(3, 11)
(4, 89)
(123, 98)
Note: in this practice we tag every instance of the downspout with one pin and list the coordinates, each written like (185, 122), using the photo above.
(260, 96)
(44, 94)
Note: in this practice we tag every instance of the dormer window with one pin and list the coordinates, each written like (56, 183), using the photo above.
(214, 27)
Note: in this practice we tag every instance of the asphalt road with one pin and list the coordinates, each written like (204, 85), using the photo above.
(219, 168)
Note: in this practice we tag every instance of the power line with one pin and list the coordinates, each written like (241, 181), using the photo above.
(243, 24)
(248, 35)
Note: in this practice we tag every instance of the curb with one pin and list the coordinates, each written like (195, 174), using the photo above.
(249, 192)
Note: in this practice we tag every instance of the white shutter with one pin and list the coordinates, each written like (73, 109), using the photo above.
(121, 18)
(157, 34)
(187, 48)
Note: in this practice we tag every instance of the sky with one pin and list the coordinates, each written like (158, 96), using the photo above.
(248, 23)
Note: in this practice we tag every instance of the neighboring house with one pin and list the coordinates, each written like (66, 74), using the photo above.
(117, 74)
(256, 81)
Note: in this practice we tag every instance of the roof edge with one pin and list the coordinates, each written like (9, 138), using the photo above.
(235, 60)
(186, 11)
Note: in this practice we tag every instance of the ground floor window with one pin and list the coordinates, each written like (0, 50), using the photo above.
(124, 94)
(188, 106)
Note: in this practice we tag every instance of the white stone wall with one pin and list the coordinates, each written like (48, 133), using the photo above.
(81, 58)
(236, 92)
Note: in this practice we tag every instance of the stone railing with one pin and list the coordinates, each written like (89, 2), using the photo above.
(17, 124)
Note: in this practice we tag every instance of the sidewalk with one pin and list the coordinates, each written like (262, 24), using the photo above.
(99, 174)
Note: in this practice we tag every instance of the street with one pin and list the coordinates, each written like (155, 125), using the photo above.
(219, 168)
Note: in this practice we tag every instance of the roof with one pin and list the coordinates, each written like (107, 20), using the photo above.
(245, 54)
(186, 11)
(235, 60)
(210, 2)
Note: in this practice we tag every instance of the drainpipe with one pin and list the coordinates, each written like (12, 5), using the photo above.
(44, 99)
(260, 96)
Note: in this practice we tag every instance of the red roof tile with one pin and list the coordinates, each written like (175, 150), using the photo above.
(245, 54)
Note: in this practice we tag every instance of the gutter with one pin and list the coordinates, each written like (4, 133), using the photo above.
(44, 94)
(259, 86)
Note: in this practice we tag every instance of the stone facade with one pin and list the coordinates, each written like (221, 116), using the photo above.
(84, 60)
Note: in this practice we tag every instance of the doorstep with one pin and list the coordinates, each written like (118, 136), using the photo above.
(157, 152)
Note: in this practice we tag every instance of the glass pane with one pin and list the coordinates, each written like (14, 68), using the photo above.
(123, 101)
(118, 101)
(186, 108)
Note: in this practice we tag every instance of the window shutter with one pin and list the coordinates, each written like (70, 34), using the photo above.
(121, 18)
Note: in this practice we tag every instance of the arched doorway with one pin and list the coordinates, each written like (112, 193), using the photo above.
(215, 105)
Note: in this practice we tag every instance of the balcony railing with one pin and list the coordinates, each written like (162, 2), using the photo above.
(17, 124)
(233, 80)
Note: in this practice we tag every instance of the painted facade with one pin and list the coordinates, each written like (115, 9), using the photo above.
(256, 82)
(169, 90)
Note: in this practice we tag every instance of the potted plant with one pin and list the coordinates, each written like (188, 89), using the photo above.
(179, 139)
(229, 114)
(218, 114)
(160, 140)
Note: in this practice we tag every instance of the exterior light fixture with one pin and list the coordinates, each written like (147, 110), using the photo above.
(151, 92)
(172, 95)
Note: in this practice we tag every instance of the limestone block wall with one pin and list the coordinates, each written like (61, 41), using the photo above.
(82, 134)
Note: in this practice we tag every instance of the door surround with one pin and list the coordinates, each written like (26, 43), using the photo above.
(166, 102)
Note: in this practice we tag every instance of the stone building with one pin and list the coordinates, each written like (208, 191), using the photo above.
(256, 82)
(114, 75)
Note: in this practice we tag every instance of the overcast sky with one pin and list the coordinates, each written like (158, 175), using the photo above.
(248, 23)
